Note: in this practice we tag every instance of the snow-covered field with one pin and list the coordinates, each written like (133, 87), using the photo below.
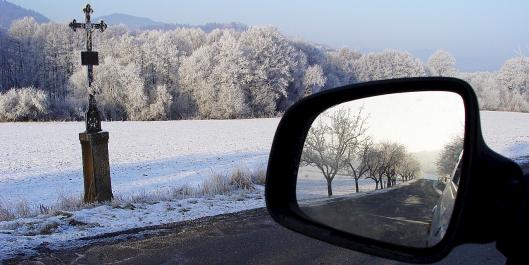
(507, 133)
(41, 161)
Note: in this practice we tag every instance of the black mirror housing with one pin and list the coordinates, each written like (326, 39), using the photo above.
(482, 171)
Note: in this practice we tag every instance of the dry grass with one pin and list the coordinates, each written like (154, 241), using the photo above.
(241, 179)
(184, 192)
(6, 211)
(71, 203)
(259, 176)
(22, 208)
(217, 184)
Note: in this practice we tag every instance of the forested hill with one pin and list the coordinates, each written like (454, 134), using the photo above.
(10, 12)
(143, 23)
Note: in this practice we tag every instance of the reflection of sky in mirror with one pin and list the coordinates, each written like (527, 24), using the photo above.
(419, 120)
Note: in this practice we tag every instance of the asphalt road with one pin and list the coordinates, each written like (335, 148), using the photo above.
(401, 215)
(249, 237)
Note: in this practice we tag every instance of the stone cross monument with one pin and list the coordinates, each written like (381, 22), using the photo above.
(94, 141)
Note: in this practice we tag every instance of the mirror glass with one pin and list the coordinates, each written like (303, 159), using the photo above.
(385, 167)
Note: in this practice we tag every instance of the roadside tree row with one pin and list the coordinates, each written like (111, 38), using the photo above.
(338, 144)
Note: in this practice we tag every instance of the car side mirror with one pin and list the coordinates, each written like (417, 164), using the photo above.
(394, 168)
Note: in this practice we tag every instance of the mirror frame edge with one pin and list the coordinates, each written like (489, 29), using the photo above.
(288, 144)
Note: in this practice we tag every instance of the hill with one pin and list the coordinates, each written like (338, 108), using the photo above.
(144, 23)
(10, 12)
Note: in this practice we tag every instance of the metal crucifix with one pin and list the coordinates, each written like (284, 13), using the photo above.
(90, 58)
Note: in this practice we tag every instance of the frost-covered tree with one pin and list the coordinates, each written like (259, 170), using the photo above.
(159, 107)
(387, 65)
(357, 160)
(314, 79)
(513, 79)
(22, 33)
(442, 63)
(410, 167)
(273, 60)
(393, 155)
(120, 90)
(232, 73)
(225, 73)
(486, 87)
(449, 156)
(375, 165)
(330, 139)
(341, 67)
(514, 74)
(386, 161)
(216, 76)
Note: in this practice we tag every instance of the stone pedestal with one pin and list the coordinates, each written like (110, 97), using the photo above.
(96, 169)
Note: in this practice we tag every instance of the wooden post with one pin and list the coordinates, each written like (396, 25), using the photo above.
(96, 169)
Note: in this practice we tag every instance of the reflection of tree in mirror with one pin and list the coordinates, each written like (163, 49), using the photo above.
(387, 161)
(329, 140)
(449, 156)
(337, 143)
(357, 160)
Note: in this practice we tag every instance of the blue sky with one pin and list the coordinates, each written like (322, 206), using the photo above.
(480, 34)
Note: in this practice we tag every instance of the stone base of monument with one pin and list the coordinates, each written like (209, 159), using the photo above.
(96, 169)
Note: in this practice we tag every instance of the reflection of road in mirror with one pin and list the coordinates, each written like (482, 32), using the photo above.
(378, 166)
(400, 215)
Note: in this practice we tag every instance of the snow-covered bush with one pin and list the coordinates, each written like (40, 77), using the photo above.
(514, 74)
(24, 104)
(442, 63)
(388, 64)
(505, 90)
(486, 87)
(513, 79)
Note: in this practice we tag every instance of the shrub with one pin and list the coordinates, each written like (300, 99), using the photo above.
(216, 184)
(24, 104)
(259, 176)
(241, 179)
(70, 202)
(6, 212)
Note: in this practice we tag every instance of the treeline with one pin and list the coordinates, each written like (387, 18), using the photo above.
(338, 144)
(187, 73)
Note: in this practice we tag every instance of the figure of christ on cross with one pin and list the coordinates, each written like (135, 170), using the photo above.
(90, 58)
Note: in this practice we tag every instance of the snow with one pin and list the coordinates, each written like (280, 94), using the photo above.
(507, 133)
(311, 185)
(23, 235)
(144, 156)
(41, 161)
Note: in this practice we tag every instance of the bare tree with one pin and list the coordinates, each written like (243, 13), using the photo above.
(357, 161)
(392, 157)
(389, 160)
(375, 162)
(329, 139)
(410, 168)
